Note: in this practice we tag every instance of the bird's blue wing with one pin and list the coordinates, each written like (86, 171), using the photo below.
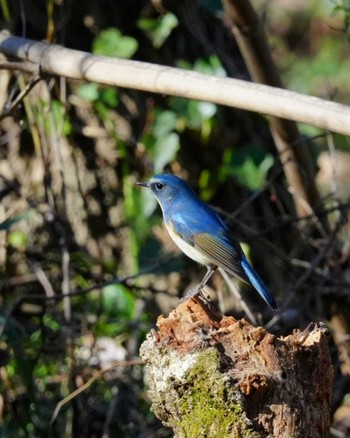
(230, 257)
(215, 244)
(223, 252)
(218, 246)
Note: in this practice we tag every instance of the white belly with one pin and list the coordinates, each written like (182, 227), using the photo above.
(188, 249)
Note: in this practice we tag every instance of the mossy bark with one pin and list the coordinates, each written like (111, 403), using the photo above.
(214, 376)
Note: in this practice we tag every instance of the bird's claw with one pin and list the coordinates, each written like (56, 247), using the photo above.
(189, 294)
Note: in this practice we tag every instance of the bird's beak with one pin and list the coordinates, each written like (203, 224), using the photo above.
(143, 184)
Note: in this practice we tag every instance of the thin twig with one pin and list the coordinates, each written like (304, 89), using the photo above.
(58, 297)
(86, 385)
(56, 133)
(65, 283)
(97, 286)
(290, 294)
(30, 85)
(238, 296)
(43, 280)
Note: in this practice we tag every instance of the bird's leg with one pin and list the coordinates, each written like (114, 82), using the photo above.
(193, 293)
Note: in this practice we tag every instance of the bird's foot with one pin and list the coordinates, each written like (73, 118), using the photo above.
(190, 294)
(195, 293)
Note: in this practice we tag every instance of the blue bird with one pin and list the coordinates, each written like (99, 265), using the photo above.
(201, 234)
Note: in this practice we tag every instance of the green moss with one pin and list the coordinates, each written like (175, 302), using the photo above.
(208, 404)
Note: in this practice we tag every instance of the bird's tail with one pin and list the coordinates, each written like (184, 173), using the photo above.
(258, 284)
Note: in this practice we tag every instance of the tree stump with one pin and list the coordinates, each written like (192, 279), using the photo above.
(214, 376)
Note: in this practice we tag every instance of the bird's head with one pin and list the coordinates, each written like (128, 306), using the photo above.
(166, 188)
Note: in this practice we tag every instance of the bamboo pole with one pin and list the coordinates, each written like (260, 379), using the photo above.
(73, 64)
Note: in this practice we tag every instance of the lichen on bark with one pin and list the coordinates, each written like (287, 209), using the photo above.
(206, 404)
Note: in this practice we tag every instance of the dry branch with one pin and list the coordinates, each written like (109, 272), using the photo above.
(215, 376)
(74, 64)
(294, 154)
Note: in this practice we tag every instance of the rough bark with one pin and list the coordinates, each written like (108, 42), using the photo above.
(214, 376)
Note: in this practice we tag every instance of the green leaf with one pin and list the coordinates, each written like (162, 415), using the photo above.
(192, 112)
(88, 92)
(165, 150)
(118, 300)
(202, 110)
(45, 369)
(211, 66)
(111, 42)
(109, 96)
(252, 175)
(158, 29)
(18, 239)
(50, 322)
(165, 123)
(206, 186)
(111, 329)
(60, 118)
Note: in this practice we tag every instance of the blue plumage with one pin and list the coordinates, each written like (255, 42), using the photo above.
(258, 284)
(201, 234)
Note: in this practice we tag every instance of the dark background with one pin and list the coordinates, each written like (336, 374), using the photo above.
(73, 221)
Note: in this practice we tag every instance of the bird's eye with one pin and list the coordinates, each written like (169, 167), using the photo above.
(159, 186)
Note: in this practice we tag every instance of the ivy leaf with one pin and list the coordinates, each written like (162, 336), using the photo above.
(111, 42)
(158, 29)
